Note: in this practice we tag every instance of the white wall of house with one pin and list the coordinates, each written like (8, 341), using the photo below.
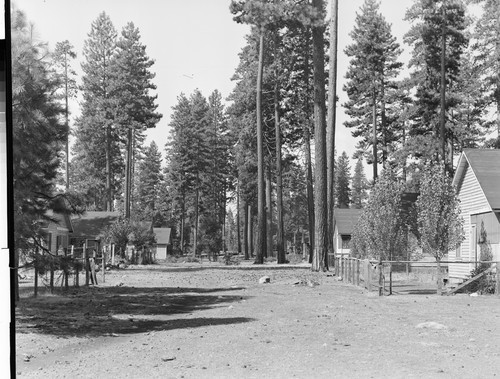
(472, 201)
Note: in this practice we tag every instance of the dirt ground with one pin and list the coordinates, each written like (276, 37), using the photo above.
(207, 321)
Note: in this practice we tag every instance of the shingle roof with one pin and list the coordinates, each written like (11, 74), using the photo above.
(346, 219)
(485, 163)
(162, 235)
(92, 224)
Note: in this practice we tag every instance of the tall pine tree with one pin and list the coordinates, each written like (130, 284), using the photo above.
(371, 76)
(136, 109)
(97, 160)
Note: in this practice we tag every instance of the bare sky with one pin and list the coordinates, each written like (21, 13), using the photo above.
(195, 43)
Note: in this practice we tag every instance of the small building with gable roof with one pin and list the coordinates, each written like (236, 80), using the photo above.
(477, 181)
(163, 242)
(345, 220)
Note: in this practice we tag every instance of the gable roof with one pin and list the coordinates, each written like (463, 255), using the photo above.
(162, 235)
(485, 164)
(92, 224)
(345, 219)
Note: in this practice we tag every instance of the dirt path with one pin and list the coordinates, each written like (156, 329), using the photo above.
(220, 323)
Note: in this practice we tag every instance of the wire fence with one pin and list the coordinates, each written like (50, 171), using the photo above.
(379, 275)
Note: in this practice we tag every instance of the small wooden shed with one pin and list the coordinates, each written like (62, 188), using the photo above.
(56, 231)
(345, 220)
(477, 181)
(90, 225)
(163, 242)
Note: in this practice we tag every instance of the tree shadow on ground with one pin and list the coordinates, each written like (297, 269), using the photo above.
(123, 310)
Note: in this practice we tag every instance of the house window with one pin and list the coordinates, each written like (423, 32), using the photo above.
(458, 251)
(346, 242)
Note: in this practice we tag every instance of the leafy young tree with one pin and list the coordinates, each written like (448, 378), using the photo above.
(370, 78)
(343, 178)
(439, 221)
(381, 230)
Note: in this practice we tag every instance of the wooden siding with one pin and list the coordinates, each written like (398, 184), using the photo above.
(472, 201)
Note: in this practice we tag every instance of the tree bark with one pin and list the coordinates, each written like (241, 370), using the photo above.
(261, 200)
(320, 189)
(269, 212)
(281, 257)
(308, 159)
(183, 216)
(374, 134)
(196, 214)
(250, 232)
(245, 232)
(332, 100)
(442, 116)
(128, 173)
(238, 217)
(109, 194)
(66, 113)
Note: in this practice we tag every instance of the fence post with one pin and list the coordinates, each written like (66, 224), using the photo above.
(353, 275)
(51, 273)
(86, 263)
(104, 263)
(66, 271)
(357, 272)
(368, 276)
(35, 290)
(380, 279)
(497, 289)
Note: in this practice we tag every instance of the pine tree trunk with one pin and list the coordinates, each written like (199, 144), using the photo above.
(245, 232)
(320, 183)
(383, 124)
(109, 195)
(66, 113)
(183, 216)
(197, 214)
(332, 100)
(374, 134)
(308, 160)
(310, 191)
(250, 231)
(269, 213)
(238, 217)
(128, 172)
(442, 118)
(224, 220)
(261, 192)
(279, 182)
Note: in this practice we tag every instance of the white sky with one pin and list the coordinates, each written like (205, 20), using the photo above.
(188, 38)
